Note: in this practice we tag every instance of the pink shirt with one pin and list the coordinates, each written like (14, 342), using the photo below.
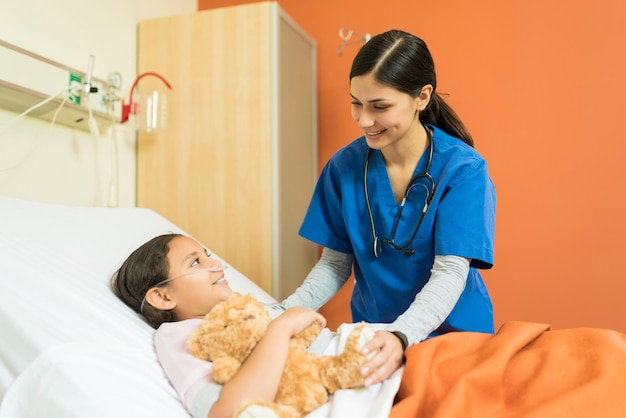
(186, 373)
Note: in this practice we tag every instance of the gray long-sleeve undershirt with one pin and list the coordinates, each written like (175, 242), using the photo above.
(429, 309)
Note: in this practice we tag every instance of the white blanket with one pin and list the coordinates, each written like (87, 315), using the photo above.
(371, 402)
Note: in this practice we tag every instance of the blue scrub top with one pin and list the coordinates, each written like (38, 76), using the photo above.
(460, 221)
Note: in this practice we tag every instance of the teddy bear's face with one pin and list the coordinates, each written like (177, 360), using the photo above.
(233, 327)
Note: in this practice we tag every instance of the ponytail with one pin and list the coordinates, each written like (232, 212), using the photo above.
(441, 115)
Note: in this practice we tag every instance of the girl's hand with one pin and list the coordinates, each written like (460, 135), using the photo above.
(295, 320)
(259, 376)
(389, 357)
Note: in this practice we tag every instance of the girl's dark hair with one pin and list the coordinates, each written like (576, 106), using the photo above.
(143, 269)
(400, 60)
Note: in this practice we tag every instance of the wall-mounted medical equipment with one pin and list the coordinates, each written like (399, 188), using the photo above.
(36, 86)
(148, 107)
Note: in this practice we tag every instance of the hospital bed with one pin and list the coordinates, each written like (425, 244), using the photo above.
(70, 348)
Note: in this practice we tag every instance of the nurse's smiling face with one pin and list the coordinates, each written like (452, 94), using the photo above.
(385, 115)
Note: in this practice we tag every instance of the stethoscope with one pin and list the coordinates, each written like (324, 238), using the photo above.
(430, 190)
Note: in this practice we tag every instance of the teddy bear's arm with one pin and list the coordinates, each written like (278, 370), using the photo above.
(224, 368)
(343, 371)
(308, 335)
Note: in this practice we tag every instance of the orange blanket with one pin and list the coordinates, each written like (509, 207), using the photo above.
(524, 370)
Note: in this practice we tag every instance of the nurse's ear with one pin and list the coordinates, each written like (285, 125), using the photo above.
(423, 98)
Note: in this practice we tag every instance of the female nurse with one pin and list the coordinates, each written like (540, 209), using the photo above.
(409, 207)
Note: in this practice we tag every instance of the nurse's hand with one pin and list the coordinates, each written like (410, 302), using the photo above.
(389, 357)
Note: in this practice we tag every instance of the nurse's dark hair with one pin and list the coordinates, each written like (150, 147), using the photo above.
(142, 270)
(401, 60)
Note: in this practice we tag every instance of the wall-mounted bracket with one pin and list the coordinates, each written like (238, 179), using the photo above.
(21, 88)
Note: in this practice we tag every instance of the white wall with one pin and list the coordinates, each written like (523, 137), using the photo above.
(56, 164)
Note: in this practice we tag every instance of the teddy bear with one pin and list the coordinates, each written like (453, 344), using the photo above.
(229, 332)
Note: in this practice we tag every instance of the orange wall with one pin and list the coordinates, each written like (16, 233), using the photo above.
(542, 87)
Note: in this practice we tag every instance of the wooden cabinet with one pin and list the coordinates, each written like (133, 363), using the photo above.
(237, 164)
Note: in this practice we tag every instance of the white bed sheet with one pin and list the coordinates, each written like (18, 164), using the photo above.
(55, 266)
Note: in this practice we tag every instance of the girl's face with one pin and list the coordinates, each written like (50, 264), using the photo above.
(197, 291)
(385, 115)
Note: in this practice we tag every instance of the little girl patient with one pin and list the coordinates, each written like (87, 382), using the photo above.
(173, 282)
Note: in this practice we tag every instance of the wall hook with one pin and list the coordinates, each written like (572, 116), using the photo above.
(347, 34)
